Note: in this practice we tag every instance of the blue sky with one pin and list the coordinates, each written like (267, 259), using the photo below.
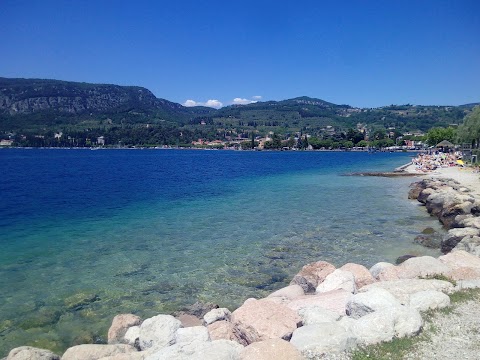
(361, 53)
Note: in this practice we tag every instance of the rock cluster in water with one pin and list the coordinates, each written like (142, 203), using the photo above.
(324, 310)
(457, 210)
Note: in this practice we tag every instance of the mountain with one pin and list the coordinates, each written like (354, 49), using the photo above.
(39, 102)
(38, 108)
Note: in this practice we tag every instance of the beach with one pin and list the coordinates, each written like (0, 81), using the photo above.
(466, 176)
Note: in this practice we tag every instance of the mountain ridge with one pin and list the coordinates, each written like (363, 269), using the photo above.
(37, 106)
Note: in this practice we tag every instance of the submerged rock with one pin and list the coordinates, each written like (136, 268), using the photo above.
(79, 300)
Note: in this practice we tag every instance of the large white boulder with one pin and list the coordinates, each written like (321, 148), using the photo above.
(384, 271)
(337, 280)
(408, 321)
(374, 327)
(429, 300)
(421, 266)
(402, 289)
(199, 350)
(132, 334)
(193, 333)
(315, 340)
(367, 302)
(96, 351)
(31, 353)
(158, 331)
(317, 315)
(311, 275)
(361, 273)
(290, 292)
(333, 300)
(273, 349)
(258, 320)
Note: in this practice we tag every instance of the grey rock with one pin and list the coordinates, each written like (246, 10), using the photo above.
(158, 331)
(316, 340)
(408, 322)
(216, 315)
(96, 351)
(337, 280)
(429, 300)
(199, 350)
(31, 353)
(454, 236)
(311, 275)
(374, 327)
(132, 335)
(190, 334)
(273, 349)
(317, 315)
(120, 325)
(402, 289)
(422, 266)
(374, 299)
(470, 244)
(290, 292)
(376, 269)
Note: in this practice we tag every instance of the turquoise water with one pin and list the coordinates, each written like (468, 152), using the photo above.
(89, 234)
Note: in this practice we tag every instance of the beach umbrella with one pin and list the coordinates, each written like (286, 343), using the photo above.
(445, 143)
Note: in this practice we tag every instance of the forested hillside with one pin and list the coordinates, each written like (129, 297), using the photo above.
(35, 112)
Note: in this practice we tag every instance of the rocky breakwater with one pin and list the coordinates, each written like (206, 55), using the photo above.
(325, 311)
(456, 208)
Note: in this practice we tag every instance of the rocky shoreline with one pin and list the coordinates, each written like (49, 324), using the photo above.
(324, 312)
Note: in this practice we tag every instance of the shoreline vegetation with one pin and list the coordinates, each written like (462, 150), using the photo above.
(325, 312)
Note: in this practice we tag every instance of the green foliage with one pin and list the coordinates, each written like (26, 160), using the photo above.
(438, 134)
(469, 131)
(122, 113)
(439, 277)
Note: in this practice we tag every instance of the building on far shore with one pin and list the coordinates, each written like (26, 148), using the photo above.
(6, 142)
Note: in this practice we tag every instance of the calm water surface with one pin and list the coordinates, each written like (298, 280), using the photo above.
(85, 235)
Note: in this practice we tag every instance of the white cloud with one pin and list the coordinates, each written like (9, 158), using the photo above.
(210, 103)
(190, 103)
(240, 101)
(213, 103)
(257, 97)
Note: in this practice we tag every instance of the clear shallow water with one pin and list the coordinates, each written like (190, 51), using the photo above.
(89, 234)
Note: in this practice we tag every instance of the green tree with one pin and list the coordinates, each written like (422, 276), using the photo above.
(437, 134)
(469, 131)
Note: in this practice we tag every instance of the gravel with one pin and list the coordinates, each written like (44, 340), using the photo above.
(452, 336)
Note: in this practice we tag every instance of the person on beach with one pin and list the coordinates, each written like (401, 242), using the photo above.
(430, 162)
